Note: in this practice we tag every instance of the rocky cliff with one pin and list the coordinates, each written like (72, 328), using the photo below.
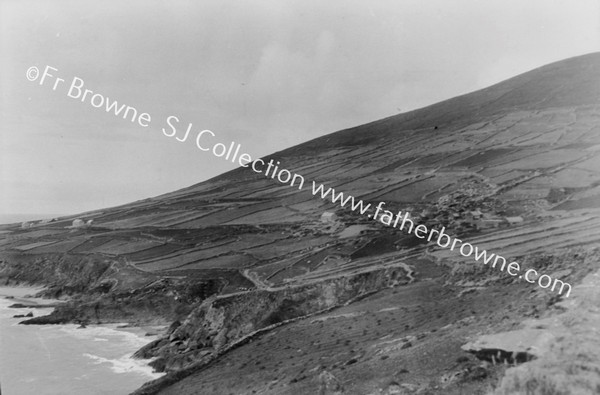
(222, 322)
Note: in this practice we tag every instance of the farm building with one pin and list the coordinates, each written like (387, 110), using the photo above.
(80, 224)
(475, 214)
(328, 217)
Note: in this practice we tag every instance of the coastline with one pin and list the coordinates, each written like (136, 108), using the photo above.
(66, 358)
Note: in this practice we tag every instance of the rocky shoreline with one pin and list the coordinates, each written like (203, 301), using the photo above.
(197, 332)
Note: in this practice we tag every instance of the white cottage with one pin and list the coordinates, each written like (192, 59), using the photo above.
(328, 217)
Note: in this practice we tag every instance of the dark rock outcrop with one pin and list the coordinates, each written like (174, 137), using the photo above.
(220, 322)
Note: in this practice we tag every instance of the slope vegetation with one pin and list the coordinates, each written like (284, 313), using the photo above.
(261, 295)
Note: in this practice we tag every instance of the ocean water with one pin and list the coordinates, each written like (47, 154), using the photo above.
(17, 218)
(64, 360)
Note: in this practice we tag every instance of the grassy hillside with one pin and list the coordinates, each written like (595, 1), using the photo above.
(512, 168)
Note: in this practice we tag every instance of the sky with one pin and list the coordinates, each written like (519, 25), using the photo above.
(265, 74)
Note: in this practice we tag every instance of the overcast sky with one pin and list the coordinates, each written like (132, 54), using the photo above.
(267, 74)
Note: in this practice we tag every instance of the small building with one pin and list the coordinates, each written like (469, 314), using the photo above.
(445, 200)
(81, 224)
(428, 213)
(78, 223)
(328, 217)
(475, 214)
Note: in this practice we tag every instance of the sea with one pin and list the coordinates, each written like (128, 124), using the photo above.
(17, 218)
(63, 359)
